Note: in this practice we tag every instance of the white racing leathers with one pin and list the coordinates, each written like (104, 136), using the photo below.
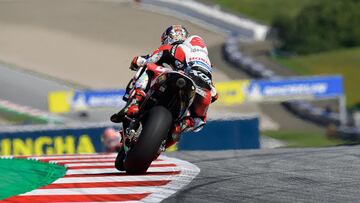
(196, 54)
(199, 68)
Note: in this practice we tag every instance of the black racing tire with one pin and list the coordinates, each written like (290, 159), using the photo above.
(119, 161)
(156, 126)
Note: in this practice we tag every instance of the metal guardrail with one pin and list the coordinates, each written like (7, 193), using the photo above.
(210, 17)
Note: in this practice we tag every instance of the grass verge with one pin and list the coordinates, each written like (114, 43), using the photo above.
(262, 10)
(19, 118)
(303, 139)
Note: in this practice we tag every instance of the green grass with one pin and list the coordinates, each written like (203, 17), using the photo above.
(303, 139)
(342, 62)
(10, 116)
(263, 10)
(17, 118)
(4, 120)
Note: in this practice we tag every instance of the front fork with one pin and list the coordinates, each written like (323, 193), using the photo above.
(131, 132)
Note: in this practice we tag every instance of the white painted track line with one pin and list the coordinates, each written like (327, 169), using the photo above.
(108, 164)
(114, 179)
(113, 170)
(98, 191)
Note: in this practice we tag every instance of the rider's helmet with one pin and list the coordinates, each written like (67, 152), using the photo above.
(173, 34)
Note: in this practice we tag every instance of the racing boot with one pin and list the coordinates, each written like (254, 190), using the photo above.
(131, 109)
(186, 124)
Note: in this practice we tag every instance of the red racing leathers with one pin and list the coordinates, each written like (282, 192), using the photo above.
(190, 57)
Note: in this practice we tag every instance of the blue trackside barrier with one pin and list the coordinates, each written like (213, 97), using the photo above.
(86, 138)
(48, 140)
(223, 135)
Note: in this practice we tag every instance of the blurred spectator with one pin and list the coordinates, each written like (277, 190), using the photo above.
(111, 140)
(331, 131)
(327, 111)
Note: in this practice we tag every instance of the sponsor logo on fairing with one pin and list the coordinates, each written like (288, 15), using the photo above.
(202, 65)
(197, 41)
(201, 75)
(198, 50)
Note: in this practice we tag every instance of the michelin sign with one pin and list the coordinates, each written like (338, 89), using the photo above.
(110, 98)
(282, 89)
(295, 88)
(65, 101)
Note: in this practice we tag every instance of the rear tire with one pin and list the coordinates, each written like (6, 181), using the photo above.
(155, 129)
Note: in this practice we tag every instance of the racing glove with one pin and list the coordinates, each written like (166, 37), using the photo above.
(137, 62)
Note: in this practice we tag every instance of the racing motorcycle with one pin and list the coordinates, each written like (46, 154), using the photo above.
(167, 101)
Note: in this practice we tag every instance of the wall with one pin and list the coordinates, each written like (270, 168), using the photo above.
(224, 134)
(85, 138)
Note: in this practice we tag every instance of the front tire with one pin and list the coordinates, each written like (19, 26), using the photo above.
(119, 161)
(156, 126)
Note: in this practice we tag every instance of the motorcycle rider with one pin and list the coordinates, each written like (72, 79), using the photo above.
(187, 54)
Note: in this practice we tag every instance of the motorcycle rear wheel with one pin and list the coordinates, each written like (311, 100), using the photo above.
(156, 126)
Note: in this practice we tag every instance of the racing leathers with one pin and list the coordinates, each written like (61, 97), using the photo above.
(191, 57)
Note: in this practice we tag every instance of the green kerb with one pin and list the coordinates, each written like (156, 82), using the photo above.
(21, 175)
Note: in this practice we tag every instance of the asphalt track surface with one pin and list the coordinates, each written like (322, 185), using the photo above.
(277, 175)
(27, 89)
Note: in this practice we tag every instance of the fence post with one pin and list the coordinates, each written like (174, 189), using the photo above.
(342, 110)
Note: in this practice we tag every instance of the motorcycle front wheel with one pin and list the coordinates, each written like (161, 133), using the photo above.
(119, 161)
(156, 126)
